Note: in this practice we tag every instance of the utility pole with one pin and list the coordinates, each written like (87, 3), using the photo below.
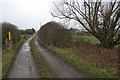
(40, 24)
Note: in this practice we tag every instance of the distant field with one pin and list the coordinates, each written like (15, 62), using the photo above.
(90, 39)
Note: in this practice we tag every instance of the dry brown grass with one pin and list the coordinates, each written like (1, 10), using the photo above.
(108, 57)
(102, 57)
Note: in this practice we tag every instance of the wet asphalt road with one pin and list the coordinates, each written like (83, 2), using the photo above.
(62, 69)
(23, 66)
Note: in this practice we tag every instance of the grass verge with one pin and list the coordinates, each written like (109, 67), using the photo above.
(42, 65)
(80, 61)
(84, 54)
(9, 56)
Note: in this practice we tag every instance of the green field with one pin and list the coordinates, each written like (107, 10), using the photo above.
(90, 39)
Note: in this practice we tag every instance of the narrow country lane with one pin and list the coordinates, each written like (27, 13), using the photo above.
(62, 69)
(24, 66)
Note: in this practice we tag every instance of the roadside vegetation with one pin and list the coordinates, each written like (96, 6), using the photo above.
(10, 48)
(100, 19)
(55, 34)
(8, 57)
(42, 65)
(91, 59)
(85, 53)
(6, 28)
(16, 35)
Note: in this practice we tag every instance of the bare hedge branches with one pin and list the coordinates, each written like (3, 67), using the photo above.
(101, 19)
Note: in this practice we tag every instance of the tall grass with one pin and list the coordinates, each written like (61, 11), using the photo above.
(93, 66)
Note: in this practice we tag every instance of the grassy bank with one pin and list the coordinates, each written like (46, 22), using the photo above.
(79, 59)
(42, 65)
(8, 56)
(90, 39)
(85, 55)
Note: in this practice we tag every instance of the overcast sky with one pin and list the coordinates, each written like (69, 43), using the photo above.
(26, 13)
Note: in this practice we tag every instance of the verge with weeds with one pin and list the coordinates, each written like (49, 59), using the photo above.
(42, 65)
(85, 53)
(8, 56)
(89, 57)
(78, 60)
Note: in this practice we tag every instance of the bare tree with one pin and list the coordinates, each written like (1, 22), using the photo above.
(101, 19)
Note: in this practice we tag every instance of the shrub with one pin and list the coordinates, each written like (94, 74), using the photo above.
(30, 31)
(61, 37)
(27, 31)
(15, 35)
(55, 34)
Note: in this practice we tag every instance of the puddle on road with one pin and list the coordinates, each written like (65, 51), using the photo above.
(24, 66)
